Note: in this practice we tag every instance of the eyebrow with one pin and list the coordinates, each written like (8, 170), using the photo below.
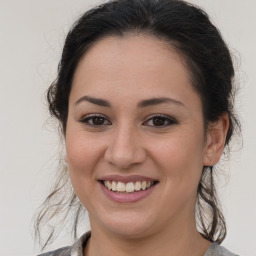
(96, 101)
(156, 101)
(141, 104)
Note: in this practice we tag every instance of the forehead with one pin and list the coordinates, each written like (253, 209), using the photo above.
(133, 64)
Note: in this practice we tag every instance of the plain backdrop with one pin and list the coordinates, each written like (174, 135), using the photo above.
(31, 36)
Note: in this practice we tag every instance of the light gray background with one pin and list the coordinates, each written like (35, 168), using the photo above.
(31, 37)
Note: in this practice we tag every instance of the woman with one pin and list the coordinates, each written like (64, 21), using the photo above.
(144, 97)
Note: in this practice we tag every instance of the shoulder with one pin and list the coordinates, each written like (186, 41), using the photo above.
(217, 250)
(65, 251)
(75, 250)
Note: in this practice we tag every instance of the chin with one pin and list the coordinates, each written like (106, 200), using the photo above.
(129, 231)
(128, 225)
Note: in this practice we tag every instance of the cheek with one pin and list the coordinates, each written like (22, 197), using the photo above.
(179, 150)
(181, 160)
(82, 152)
(83, 155)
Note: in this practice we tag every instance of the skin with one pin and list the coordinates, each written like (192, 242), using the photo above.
(124, 71)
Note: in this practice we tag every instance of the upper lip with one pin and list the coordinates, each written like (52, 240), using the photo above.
(126, 179)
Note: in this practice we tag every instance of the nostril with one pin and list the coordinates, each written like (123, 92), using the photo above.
(124, 157)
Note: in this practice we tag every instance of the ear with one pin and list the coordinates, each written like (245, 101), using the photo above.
(215, 141)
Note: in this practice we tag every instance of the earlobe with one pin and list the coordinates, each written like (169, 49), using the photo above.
(216, 138)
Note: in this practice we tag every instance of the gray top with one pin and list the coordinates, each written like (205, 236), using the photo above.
(77, 249)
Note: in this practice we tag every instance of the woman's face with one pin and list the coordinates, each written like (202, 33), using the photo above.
(135, 124)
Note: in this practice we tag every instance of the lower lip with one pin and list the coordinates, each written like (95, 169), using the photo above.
(127, 197)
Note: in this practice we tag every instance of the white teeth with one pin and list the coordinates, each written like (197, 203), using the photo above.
(137, 185)
(109, 185)
(144, 185)
(128, 187)
(114, 186)
(120, 187)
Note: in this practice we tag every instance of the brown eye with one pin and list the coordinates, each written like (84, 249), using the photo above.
(95, 120)
(160, 121)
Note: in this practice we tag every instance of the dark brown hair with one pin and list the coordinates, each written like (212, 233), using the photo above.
(188, 29)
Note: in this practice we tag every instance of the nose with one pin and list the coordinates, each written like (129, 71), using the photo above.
(125, 149)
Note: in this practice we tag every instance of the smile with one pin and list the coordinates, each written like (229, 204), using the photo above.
(127, 189)
(130, 187)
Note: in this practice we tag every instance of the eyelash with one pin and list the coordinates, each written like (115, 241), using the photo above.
(169, 120)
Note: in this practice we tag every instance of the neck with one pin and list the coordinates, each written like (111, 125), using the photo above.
(180, 240)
